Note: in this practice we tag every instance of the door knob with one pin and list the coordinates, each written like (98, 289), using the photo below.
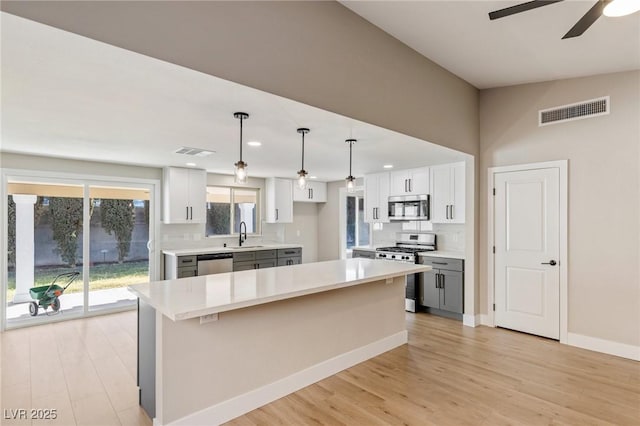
(551, 262)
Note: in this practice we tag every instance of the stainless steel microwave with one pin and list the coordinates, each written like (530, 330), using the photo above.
(409, 207)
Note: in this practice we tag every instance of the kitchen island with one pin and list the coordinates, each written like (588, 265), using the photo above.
(217, 346)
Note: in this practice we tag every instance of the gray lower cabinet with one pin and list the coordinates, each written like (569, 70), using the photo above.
(291, 256)
(367, 254)
(442, 288)
(180, 267)
(262, 259)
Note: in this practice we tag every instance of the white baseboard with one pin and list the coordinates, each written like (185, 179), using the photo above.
(486, 319)
(471, 320)
(232, 408)
(605, 346)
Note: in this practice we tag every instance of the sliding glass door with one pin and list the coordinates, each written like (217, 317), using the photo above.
(74, 246)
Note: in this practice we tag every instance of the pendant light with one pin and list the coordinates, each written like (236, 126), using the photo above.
(241, 167)
(302, 173)
(351, 181)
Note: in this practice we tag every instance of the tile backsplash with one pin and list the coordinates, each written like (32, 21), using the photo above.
(450, 237)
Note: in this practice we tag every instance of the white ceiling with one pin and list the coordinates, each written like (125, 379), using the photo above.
(68, 96)
(522, 48)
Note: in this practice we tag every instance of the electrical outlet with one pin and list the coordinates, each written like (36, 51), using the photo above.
(208, 318)
(297, 233)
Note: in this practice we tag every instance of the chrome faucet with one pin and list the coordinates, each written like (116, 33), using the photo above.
(245, 233)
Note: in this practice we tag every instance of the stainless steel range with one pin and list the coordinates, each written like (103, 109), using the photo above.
(406, 250)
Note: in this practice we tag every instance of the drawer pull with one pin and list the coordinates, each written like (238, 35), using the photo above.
(440, 263)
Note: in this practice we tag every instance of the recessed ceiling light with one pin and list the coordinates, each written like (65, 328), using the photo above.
(191, 164)
(388, 166)
(313, 177)
(254, 143)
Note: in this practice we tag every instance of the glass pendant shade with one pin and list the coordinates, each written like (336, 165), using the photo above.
(621, 8)
(302, 179)
(351, 183)
(240, 171)
(302, 173)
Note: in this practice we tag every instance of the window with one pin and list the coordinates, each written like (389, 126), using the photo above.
(227, 207)
(357, 229)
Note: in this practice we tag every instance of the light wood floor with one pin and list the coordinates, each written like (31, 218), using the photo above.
(85, 369)
(447, 375)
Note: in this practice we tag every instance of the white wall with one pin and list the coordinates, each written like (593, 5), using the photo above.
(305, 215)
(604, 191)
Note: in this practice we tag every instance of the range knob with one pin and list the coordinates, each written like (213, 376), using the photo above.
(393, 256)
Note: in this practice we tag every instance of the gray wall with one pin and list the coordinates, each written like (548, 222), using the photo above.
(329, 225)
(316, 52)
(604, 190)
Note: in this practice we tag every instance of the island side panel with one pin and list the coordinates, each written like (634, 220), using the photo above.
(247, 349)
(147, 357)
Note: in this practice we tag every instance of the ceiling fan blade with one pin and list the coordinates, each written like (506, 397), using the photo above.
(522, 7)
(587, 20)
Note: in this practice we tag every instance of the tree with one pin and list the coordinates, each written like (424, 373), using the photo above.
(118, 216)
(66, 221)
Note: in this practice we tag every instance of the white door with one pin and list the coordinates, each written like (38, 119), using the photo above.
(527, 236)
(440, 193)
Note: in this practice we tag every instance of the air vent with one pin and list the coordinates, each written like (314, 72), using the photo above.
(577, 111)
(196, 152)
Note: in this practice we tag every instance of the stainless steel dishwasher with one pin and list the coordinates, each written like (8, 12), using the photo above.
(214, 263)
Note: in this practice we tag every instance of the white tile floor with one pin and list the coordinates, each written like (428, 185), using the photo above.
(85, 369)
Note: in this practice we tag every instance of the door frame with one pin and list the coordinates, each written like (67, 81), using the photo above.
(86, 180)
(563, 261)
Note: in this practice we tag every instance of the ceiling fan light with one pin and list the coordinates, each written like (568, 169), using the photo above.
(302, 180)
(619, 8)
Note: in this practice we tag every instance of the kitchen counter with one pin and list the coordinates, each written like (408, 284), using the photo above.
(194, 297)
(211, 348)
(219, 249)
(439, 253)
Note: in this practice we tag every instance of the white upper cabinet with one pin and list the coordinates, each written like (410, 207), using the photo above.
(184, 195)
(278, 200)
(448, 193)
(376, 198)
(410, 182)
(316, 192)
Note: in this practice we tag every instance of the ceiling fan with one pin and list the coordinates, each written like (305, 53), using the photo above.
(617, 8)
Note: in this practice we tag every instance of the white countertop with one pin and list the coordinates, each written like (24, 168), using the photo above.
(439, 253)
(220, 249)
(193, 297)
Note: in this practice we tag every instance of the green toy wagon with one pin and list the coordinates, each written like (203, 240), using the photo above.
(48, 295)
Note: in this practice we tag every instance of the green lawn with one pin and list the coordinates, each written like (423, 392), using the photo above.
(103, 276)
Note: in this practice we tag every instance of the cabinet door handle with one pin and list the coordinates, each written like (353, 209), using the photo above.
(405, 185)
(437, 280)
(410, 185)
(311, 193)
(276, 214)
(187, 210)
(191, 213)
(451, 211)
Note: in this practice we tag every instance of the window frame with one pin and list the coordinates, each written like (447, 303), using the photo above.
(232, 190)
(357, 215)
